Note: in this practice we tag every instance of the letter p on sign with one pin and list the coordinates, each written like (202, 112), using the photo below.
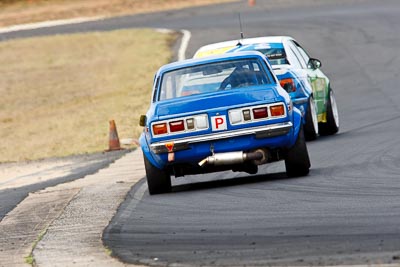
(218, 123)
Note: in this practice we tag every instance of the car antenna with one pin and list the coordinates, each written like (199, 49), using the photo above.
(241, 31)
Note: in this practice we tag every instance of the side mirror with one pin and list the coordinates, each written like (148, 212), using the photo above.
(142, 120)
(314, 63)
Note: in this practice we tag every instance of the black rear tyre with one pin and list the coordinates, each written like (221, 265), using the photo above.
(332, 117)
(297, 161)
(159, 181)
(311, 126)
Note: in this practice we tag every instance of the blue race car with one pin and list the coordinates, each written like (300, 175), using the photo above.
(226, 112)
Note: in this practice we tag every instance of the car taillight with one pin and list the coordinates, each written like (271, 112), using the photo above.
(277, 111)
(180, 125)
(176, 126)
(201, 122)
(190, 123)
(246, 114)
(235, 116)
(160, 128)
(288, 84)
(259, 113)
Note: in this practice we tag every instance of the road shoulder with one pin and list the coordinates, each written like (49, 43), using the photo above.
(20, 229)
(74, 238)
(69, 218)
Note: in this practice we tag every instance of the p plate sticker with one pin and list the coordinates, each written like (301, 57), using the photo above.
(218, 123)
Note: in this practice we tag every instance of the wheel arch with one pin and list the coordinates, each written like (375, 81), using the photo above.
(297, 124)
(147, 152)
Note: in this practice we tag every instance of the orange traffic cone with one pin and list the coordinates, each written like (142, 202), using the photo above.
(252, 2)
(113, 143)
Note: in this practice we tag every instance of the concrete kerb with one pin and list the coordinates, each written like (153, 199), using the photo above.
(74, 238)
(20, 229)
(72, 215)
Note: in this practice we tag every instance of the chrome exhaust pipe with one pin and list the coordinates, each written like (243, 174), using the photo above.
(231, 158)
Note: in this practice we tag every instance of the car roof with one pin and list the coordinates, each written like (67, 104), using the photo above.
(246, 41)
(205, 60)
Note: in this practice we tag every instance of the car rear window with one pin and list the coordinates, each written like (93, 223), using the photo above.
(213, 77)
(274, 51)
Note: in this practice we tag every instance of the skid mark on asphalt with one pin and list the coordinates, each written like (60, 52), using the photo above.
(372, 124)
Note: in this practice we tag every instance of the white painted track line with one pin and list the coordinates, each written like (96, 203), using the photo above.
(47, 24)
(184, 44)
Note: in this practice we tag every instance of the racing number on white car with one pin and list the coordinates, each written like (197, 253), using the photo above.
(218, 123)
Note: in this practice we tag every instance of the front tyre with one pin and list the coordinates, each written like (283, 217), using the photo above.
(311, 125)
(332, 116)
(159, 181)
(297, 161)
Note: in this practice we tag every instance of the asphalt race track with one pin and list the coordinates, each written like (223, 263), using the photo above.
(347, 211)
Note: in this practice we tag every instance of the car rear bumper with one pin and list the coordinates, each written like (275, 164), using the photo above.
(192, 150)
(272, 130)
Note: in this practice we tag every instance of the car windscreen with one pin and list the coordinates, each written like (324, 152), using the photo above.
(212, 77)
(274, 51)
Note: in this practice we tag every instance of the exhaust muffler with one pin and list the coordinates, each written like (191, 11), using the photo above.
(232, 158)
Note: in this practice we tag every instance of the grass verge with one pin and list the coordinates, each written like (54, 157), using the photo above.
(58, 93)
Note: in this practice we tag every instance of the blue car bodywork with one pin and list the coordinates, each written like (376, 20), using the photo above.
(299, 92)
(198, 123)
(299, 88)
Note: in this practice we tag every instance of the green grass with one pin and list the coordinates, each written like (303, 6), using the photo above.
(108, 251)
(30, 259)
(58, 93)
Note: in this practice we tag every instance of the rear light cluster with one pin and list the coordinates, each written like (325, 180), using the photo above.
(288, 84)
(252, 114)
(176, 126)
